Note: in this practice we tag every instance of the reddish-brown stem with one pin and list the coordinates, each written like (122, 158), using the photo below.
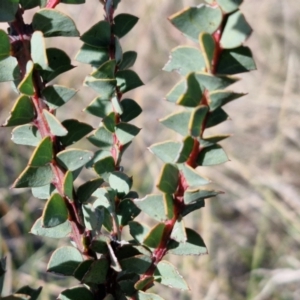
(20, 43)
(179, 205)
(52, 3)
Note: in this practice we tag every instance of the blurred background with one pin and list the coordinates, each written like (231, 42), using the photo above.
(253, 230)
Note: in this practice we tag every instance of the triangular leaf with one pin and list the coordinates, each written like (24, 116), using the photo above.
(4, 45)
(76, 131)
(166, 274)
(43, 154)
(129, 58)
(192, 58)
(128, 80)
(154, 236)
(234, 61)
(73, 159)
(130, 110)
(213, 155)
(55, 212)
(26, 135)
(9, 69)
(193, 246)
(54, 23)
(57, 95)
(22, 112)
(61, 231)
(38, 50)
(168, 179)
(207, 45)
(236, 31)
(85, 191)
(94, 56)
(126, 132)
(76, 293)
(34, 177)
(123, 23)
(98, 35)
(194, 20)
(56, 127)
(64, 261)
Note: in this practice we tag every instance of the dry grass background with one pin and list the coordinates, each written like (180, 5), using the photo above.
(253, 230)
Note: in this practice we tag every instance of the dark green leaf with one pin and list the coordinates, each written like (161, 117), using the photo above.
(57, 95)
(105, 87)
(184, 60)
(94, 56)
(102, 138)
(193, 246)
(123, 23)
(54, 23)
(76, 131)
(43, 154)
(229, 6)
(234, 61)
(4, 45)
(8, 9)
(34, 294)
(56, 127)
(98, 35)
(192, 177)
(68, 185)
(82, 269)
(178, 122)
(120, 182)
(220, 98)
(198, 194)
(155, 235)
(130, 110)
(194, 20)
(178, 233)
(236, 31)
(64, 261)
(55, 212)
(207, 46)
(168, 179)
(34, 177)
(138, 264)
(100, 107)
(126, 132)
(26, 85)
(166, 274)
(167, 151)
(26, 135)
(9, 69)
(129, 58)
(128, 80)
(153, 206)
(85, 191)
(106, 70)
(216, 117)
(138, 231)
(176, 91)
(193, 94)
(76, 293)
(127, 211)
(210, 156)
(105, 166)
(21, 113)
(196, 124)
(38, 50)
(43, 192)
(61, 231)
(97, 272)
(146, 282)
(73, 159)
(59, 62)
(99, 244)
